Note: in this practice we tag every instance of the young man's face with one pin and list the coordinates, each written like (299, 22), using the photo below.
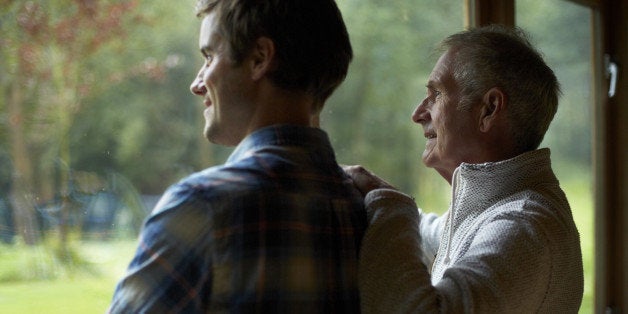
(451, 133)
(223, 86)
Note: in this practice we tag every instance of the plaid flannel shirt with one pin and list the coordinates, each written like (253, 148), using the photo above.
(275, 229)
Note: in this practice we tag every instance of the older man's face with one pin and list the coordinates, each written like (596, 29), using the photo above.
(452, 134)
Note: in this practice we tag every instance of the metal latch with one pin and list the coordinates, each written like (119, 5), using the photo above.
(611, 74)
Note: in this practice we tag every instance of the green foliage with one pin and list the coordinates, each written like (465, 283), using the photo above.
(144, 122)
(368, 118)
(565, 40)
(149, 124)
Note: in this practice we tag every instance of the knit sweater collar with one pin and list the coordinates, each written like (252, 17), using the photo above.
(529, 161)
(477, 186)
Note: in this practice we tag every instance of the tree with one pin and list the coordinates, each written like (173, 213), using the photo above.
(47, 48)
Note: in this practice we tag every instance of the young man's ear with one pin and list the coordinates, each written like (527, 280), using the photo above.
(262, 56)
(493, 108)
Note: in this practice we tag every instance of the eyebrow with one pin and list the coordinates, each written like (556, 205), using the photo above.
(432, 84)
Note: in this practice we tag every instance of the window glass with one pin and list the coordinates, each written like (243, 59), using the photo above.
(96, 121)
(369, 117)
(565, 40)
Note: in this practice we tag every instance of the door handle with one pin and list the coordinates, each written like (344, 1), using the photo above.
(611, 73)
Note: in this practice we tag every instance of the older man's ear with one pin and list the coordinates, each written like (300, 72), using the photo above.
(493, 109)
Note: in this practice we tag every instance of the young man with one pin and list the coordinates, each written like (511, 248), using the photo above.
(277, 228)
(508, 243)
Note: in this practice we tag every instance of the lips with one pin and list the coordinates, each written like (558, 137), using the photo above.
(429, 135)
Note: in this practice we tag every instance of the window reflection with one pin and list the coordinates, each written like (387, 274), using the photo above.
(97, 120)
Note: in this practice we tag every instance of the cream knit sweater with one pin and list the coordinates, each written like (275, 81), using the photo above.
(508, 244)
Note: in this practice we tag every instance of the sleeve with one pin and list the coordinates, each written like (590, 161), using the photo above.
(392, 277)
(505, 268)
(170, 269)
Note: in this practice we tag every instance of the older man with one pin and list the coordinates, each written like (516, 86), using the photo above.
(508, 242)
(277, 228)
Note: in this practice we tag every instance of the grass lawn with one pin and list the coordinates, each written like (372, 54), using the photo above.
(31, 282)
(78, 295)
(83, 292)
(576, 181)
(581, 201)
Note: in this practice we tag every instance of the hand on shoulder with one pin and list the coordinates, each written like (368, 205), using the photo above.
(365, 180)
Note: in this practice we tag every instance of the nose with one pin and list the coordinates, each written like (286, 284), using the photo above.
(198, 86)
(421, 114)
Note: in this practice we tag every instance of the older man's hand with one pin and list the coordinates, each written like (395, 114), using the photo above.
(365, 180)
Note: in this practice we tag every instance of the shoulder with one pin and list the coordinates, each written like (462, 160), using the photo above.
(541, 206)
(200, 196)
(219, 181)
(530, 218)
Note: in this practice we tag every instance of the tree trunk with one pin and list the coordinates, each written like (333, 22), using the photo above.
(22, 197)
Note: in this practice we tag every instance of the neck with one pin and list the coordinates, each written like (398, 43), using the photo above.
(278, 106)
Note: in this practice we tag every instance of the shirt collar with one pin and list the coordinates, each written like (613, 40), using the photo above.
(281, 135)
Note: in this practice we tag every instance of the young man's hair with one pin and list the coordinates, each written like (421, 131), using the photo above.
(312, 45)
(503, 57)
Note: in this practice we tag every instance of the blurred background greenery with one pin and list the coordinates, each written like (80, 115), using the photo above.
(96, 120)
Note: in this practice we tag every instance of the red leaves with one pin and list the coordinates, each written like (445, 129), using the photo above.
(82, 27)
(87, 7)
(56, 42)
(65, 31)
(32, 19)
(28, 58)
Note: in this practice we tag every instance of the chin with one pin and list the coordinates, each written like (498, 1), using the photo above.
(221, 139)
(210, 135)
(426, 159)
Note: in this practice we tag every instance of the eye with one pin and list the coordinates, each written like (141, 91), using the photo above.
(207, 55)
(208, 59)
(432, 92)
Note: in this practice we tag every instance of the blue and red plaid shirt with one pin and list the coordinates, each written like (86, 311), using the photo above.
(275, 229)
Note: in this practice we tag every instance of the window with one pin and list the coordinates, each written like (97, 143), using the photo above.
(96, 123)
(97, 120)
(370, 115)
